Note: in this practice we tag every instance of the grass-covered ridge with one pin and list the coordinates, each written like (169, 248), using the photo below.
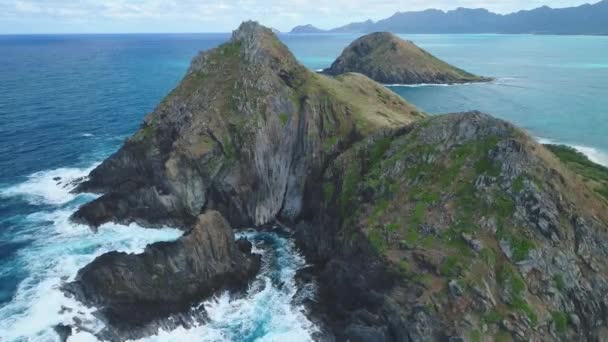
(452, 203)
(388, 59)
(595, 175)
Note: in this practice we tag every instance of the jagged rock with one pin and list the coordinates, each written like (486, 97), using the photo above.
(139, 290)
(538, 250)
(475, 244)
(63, 331)
(253, 134)
(386, 58)
(455, 288)
(243, 133)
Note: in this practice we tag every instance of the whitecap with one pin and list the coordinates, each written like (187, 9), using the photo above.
(420, 85)
(50, 186)
(60, 248)
(594, 154)
(265, 313)
(87, 135)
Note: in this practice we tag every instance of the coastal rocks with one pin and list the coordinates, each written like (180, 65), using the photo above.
(514, 249)
(387, 59)
(133, 290)
(243, 133)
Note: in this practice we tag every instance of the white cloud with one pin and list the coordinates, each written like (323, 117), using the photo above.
(224, 15)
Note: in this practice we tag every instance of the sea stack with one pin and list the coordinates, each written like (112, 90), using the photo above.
(456, 227)
(137, 293)
(388, 59)
(241, 134)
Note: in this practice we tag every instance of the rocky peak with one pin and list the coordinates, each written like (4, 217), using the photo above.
(250, 31)
(386, 58)
(138, 289)
(240, 134)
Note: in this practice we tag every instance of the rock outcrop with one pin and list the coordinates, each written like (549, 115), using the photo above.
(306, 29)
(136, 293)
(455, 228)
(388, 59)
(242, 133)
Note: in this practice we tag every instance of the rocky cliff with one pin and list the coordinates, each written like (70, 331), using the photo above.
(454, 227)
(388, 59)
(136, 293)
(242, 134)
(458, 227)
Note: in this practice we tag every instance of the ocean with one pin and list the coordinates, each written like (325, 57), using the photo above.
(68, 101)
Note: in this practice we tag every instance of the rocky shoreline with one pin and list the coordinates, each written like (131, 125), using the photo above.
(418, 228)
(386, 58)
(136, 294)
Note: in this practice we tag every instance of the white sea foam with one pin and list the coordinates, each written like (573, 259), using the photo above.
(49, 187)
(87, 135)
(266, 313)
(594, 154)
(420, 85)
(57, 249)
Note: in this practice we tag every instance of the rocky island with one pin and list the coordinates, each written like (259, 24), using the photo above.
(388, 59)
(457, 227)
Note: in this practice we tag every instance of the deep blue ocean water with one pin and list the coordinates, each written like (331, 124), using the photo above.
(66, 102)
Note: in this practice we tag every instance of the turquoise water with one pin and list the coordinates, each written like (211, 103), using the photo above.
(67, 102)
(556, 87)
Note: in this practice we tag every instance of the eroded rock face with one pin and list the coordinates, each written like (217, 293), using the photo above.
(243, 132)
(514, 250)
(134, 290)
(385, 58)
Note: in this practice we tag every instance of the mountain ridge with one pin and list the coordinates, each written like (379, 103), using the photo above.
(417, 228)
(584, 19)
(388, 59)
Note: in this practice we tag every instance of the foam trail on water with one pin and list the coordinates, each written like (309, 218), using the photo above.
(56, 250)
(267, 312)
(55, 257)
(595, 155)
(49, 187)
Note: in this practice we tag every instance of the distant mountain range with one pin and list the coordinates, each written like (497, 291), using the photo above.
(584, 19)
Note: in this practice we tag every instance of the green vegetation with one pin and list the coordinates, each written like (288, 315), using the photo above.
(520, 244)
(488, 256)
(451, 267)
(476, 336)
(328, 191)
(378, 149)
(560, 319)
(560, 284)
(349, 189)
(228, 147)
(492, 317)
(330, 143)
(417, 217)
(147, 131)
(510, 279)
(377, 240)
(503, 205)
(284, 118)
(487, 166)
(596, 175)
(518, 184)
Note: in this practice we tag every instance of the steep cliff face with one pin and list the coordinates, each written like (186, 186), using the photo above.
(136, 293)
(242, 133)
(388, 59)
(459, 226)
(453, 227)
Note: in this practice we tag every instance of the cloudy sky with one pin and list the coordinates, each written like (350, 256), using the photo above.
(84, 16)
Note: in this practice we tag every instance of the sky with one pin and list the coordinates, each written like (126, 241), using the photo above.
(155, 16)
